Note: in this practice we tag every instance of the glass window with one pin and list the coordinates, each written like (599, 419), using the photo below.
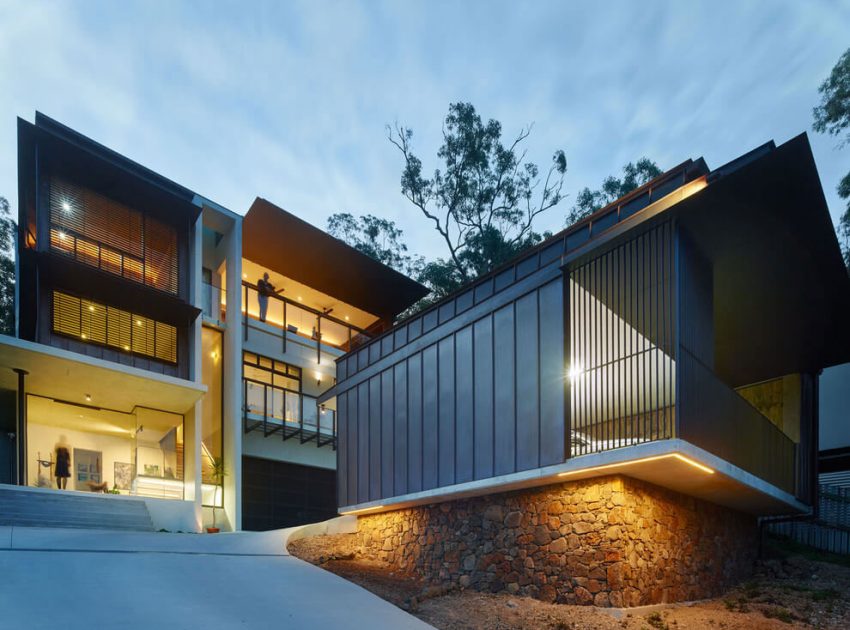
(211, 414)
(272, 388)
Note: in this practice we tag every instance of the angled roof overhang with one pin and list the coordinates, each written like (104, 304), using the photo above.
(61, 150)
(781, 290)
(280, 241)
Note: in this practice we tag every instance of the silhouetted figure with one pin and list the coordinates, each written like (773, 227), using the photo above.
(264, 290)
(63, 463)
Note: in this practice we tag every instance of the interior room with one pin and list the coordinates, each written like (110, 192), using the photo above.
(105, 451)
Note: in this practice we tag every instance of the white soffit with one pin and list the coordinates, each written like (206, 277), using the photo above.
(68, 376)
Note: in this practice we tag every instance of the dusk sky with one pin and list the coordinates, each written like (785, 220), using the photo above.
(289, 101)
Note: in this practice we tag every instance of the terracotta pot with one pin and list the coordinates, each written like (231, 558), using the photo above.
(212, 530)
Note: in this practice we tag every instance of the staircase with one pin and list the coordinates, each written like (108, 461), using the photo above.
(28, 507)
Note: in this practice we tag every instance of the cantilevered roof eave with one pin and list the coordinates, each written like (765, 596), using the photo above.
(286, 244)
(781, 290)
(98, 163)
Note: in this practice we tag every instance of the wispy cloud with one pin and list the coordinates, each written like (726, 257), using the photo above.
(289, 101)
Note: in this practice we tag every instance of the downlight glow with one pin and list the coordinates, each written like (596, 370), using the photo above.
(360, 511)
(642, 460)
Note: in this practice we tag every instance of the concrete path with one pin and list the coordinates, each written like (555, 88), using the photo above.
(73, 579)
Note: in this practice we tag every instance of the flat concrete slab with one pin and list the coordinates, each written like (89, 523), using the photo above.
(155, 581)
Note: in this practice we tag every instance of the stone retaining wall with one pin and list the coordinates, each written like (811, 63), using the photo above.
(611, 541)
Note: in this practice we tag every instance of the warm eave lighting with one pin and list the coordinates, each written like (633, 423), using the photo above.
(360, 511)
(678, 456)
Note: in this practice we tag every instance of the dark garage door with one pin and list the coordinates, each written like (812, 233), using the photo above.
(281, 494)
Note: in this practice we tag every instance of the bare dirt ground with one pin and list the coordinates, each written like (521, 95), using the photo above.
(792, 587)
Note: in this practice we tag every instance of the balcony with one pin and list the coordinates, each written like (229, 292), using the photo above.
(289, 317)
(638, 374)
(273, 409)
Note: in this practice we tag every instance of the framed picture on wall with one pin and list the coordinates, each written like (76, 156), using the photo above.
(123, 475)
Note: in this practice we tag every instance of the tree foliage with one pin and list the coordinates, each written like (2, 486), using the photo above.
(7, 269)
(484, 199)
(634, 175)
(832, 117)
(378, 238)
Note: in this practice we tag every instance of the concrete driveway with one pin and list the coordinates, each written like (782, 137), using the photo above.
(72, 579)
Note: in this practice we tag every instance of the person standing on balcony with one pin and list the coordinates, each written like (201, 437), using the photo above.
(264, 289)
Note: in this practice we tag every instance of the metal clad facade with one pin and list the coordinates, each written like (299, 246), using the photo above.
(484, 399)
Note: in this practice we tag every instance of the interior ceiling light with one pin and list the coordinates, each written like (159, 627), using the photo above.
(575, 371)
(642, 460)
(66, 206)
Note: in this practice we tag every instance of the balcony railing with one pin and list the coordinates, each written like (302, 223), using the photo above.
(291, 317)
(293, 414)
(213, 302)
(715, 417)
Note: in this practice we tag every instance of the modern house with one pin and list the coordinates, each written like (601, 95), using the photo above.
(603, 419)
(132, 372)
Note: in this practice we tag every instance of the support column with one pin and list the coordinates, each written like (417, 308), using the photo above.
(21, 427)
(232, 378)
(192, 421)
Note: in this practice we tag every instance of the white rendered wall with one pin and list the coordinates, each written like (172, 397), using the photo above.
(174, 516)
(193, 419)
(232, 377)
(275, 448)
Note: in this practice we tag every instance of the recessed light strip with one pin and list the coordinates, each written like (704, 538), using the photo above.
(360, 511)
(642, 460)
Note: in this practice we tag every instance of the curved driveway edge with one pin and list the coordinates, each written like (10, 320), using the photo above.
(87, 579)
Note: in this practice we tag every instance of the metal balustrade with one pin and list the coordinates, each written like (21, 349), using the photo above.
(291, 317)
(274, 409)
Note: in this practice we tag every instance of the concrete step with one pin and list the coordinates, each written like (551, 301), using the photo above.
(73, 525)
(101, 505)
(73, 515)
(45, 508)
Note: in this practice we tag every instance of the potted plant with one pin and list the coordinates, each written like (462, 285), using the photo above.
(217, 474)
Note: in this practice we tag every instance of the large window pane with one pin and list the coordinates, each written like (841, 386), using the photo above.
(211, 417)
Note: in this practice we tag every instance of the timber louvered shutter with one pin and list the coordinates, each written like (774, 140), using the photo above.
(66, 314)
(93, 322)
(103, 233)
(160, 256)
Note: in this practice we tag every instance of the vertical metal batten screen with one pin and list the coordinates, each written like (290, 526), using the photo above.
(622, 369)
